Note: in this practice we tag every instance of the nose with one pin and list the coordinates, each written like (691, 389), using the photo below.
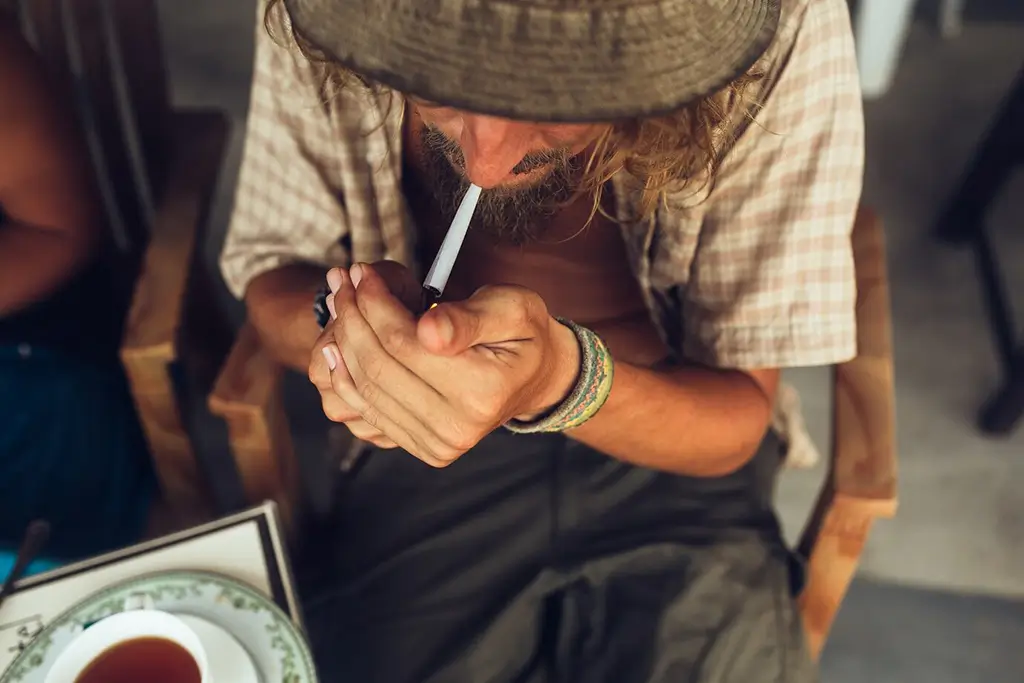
(492, 147)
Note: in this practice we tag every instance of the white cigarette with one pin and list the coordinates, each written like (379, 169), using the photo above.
(441, 269)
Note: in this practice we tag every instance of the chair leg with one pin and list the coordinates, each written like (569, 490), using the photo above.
(1003, 411)
(880, 27)
(1000, 152)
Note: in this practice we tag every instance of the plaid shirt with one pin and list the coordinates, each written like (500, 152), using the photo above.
(755, 273)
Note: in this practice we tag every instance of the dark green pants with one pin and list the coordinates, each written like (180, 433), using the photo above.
(534, 558)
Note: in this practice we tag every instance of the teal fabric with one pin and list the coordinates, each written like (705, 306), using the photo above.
(7, 558)
(71, 452)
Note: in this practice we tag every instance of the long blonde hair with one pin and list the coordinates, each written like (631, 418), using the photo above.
(666, 154)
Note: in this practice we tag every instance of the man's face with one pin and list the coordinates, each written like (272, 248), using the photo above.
(527, 170)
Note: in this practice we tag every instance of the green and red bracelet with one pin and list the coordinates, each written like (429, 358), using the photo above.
(593, 385)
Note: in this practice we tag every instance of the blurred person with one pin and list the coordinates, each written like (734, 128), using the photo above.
(669, 189)
(71, 449)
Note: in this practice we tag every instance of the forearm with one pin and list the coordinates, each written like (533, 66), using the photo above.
(280, 306)
(34, 263)
(688, 420)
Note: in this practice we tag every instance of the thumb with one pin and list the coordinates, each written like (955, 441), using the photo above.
(449, 329)
(492, 316)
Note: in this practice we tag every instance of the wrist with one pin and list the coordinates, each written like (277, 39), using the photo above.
(560, 375)
(594, 374)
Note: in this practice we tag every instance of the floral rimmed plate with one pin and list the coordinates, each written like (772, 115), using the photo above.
(263, 629)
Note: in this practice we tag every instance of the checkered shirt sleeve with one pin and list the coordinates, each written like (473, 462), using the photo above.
(772, 280)
(287, 206)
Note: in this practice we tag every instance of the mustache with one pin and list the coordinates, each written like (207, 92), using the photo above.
(514, 215)
(433, 137)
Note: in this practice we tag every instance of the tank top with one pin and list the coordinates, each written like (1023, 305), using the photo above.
(83, 318)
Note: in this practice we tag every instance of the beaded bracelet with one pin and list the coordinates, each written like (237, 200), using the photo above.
(593, 385)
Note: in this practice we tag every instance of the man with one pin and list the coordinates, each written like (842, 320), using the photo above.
(71, 449)
(676, 182)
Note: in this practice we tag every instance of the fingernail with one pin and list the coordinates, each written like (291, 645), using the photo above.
(332, 357)
(330, 307)
(335, 279)
(356, 273)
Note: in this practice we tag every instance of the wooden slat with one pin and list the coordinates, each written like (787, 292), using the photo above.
(247, 396)
(832, 565)
(861, 483)
(864, 446)
(160, 292)
(152, 335)
(248, 379)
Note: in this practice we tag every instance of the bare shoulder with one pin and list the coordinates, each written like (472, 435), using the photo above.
(27, 97)
(21, 72)
(45, 176)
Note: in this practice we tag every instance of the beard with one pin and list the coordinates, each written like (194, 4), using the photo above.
(513, 215)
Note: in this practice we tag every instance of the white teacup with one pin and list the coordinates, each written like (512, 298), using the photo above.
(121, 628)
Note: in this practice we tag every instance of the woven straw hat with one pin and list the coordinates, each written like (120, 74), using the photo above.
(544, 60)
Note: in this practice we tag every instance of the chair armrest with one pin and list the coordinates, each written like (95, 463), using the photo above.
(861, 484)
(864, 439)
(247, 396)
(249, 379)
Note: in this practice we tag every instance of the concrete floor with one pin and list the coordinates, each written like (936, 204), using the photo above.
(941, 591)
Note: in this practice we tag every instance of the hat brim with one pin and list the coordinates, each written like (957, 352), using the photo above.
(539, 61)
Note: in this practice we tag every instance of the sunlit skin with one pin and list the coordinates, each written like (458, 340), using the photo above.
(438, 383)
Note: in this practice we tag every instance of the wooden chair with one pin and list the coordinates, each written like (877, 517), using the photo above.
(861, 483)
(247, 396)
(156, 167)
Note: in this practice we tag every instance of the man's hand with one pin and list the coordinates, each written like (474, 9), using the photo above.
(401, 283)
(437, 384)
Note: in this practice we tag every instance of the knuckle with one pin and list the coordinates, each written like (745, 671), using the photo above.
(371, 416)
(318, 372)
(371, 366)
(440, 455)
(519, 314)
(361, 429)
(339, 382)
(488, 403)
(485, 406)
(530, 308)
(394, 342)
(337, 410)
(458, 437)
(370, 391)
(437, 463)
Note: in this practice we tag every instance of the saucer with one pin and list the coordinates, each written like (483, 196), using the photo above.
(227, 660)
(272, 642)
